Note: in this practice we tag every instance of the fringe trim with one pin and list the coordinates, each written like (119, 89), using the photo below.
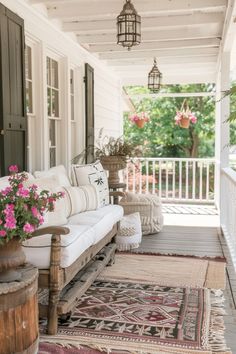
(216, 335)
(217, 258)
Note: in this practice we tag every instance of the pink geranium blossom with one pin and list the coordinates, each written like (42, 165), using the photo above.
(34, 211)
(2, 233)
(13, 168)
(28, 228)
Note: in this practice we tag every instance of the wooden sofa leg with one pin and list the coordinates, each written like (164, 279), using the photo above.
(54, 284)
(52, 312)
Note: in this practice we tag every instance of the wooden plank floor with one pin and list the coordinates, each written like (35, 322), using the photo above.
(191, 235)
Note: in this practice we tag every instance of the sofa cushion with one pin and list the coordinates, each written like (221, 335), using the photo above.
(81, 199)
(58, 216)
(102, 220)
(92, 174)
(58, 171)
(37, 249)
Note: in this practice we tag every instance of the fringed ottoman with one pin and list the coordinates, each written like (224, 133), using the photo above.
(150, 210)
(130, 233)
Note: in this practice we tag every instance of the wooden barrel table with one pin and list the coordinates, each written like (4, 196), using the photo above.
(19, 314)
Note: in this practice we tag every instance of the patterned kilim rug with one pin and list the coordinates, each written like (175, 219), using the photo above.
(145, 318)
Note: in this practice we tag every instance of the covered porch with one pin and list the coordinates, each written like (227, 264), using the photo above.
(194, 42)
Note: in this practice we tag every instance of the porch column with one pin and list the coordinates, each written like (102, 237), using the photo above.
(222, 128)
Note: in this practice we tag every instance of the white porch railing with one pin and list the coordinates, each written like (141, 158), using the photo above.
(173, 179)
(228, 209)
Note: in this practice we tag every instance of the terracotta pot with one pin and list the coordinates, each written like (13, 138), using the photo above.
(184, 123)
(140, 123)
(113, 164)
(11, 256)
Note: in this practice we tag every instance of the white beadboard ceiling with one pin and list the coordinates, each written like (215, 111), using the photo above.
(184, 35)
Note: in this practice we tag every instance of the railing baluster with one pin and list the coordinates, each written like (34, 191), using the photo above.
(194, 180)
(140, 177)
(180, 180)
(153, 177)
(186, 187)
(200, 180)
(147, 176)
(160, 179)
(167, 179)
(134, 178)
(173, 181)
(207, 181)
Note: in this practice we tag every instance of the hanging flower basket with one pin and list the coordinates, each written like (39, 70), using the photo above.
(184, 117)
(139, 119)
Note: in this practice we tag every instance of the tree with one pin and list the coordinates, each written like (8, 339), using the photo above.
(161, 136)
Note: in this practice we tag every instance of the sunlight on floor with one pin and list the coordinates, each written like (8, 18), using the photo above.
(192, 219)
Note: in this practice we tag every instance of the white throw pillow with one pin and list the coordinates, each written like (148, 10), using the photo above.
(58, 216)
(81, 199)
(58, 171)
(92, 174)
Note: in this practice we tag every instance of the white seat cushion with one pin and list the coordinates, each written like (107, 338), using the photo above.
(37, 249)
(102, 220)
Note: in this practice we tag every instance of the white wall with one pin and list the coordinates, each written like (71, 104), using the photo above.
(47, 38)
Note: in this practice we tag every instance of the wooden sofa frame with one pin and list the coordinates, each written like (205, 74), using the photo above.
(62, 299)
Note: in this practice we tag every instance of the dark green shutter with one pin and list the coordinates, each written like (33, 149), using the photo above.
(13, 122)
(89, 109)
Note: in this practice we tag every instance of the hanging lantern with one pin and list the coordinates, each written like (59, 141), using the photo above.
(128, 26)
(154, 78)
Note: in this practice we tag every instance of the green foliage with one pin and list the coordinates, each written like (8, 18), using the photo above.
(161, 137)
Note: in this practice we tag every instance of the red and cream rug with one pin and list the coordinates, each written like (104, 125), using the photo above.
(120, 316)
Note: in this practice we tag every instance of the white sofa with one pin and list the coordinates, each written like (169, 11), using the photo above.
(67, 244)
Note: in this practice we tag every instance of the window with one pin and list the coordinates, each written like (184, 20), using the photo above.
(72, 115)
(53, 108)
(29, 83)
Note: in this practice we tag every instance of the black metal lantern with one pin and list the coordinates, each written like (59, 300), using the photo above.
(128, 26)
(154, 78)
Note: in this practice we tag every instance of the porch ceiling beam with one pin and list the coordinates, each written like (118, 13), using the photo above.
(172, 79)
(148, 23)
(189, 43)
(229, 29)
(182, 52)
(164, 35)
(163, 61)
(110, 9)
(172, 94)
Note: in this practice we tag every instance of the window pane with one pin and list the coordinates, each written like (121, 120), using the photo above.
(28, 63)
(29, 98)
(55, 103)
(52, 157)
(52, 133)
(48, 71)
(73, 140)
(71, 81)
(49, 102)
(72, 107)
(54, 74)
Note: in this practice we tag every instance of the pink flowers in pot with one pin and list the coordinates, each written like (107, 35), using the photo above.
(139, 119)
(22, 208)
(184, 117)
